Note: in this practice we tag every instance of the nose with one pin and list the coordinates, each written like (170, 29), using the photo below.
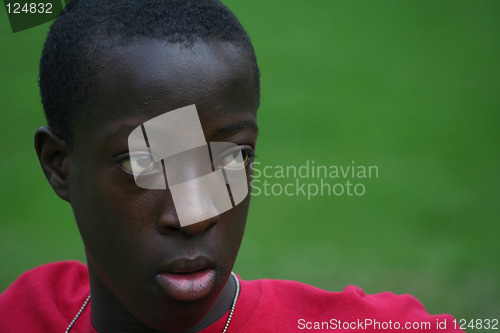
(168, 221)
(200, 227)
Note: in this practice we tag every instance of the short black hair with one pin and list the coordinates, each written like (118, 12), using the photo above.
(85, 29)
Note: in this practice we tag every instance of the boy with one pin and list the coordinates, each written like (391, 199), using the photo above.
(160, 255)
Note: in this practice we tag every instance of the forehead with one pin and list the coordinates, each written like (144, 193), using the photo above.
(139, 81)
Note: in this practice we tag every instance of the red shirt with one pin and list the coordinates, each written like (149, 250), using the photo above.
(47, 298)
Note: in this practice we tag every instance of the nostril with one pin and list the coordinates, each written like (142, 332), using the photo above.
(211, 224)
(172, 229)
(200, 227)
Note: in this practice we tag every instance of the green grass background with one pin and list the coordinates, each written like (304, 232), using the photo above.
(410, 86)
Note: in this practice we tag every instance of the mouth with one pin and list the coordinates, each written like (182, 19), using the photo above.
(188, 279)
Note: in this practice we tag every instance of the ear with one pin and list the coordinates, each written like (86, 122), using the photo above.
(54, 155)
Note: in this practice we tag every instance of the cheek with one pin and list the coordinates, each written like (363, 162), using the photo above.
(116, 232)
(113, 223)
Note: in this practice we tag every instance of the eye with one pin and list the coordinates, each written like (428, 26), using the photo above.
(140, 163)
(231, 159)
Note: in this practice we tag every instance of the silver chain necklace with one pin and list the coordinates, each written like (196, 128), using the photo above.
(87, 300)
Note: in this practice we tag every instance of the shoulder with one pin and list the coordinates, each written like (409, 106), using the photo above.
(297, 293)
(301, 306)
(44, 296)
(54, 281)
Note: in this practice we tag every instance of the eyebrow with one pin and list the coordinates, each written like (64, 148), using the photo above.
(122, 131)
(125, 130)
(238, 126)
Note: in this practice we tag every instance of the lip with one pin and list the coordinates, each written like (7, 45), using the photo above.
(187, 265)
(188, 279)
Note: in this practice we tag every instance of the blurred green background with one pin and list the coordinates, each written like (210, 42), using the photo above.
(412, 87)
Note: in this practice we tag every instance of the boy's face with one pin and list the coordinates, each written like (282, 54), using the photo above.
(137, 252)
